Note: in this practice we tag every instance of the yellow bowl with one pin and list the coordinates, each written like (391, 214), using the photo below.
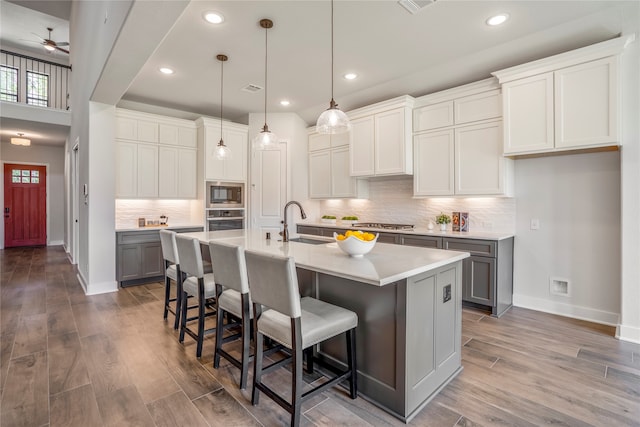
(355, 247)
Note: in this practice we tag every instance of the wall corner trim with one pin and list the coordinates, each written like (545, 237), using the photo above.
(628, 333)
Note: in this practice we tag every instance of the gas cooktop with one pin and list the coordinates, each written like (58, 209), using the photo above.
(384, 226)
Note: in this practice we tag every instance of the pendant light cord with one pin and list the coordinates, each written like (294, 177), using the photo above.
(266, 55)
(332, 101)
(221, 93)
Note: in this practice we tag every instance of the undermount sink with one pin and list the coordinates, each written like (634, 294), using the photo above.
(309, 241)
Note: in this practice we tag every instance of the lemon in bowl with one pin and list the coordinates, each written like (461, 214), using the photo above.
(356, 243)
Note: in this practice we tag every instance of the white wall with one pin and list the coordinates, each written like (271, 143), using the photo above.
(576, 198)
(54, 158)
(180, 212)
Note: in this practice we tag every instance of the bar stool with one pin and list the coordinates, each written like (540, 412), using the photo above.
(232, 290)
(198, 284)
(171, 272)
(296, 323)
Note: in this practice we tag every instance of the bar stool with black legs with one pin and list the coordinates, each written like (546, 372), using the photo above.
(232, 290)
(296, 323)
(171, 272)
(199, 285)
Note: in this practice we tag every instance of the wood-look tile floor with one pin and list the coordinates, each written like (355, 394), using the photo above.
(110, 360)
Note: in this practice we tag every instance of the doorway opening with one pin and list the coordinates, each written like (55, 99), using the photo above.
(25, 205)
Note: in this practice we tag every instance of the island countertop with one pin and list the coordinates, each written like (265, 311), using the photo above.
(385, 264)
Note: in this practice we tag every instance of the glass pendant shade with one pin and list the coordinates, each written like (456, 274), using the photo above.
(333, 121)
(265, 139)
(222, 151)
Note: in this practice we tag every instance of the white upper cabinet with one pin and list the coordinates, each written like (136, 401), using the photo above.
(433, 173)
(433, 116)
(380, 143)
(235, 136)
(329, 168)
(155, 156)
(565, 102)
(481, 106)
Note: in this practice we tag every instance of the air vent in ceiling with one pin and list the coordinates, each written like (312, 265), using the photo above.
(252, 88)
(414, 6)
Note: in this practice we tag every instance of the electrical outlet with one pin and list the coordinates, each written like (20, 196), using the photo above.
(446, 293)
(535, 224)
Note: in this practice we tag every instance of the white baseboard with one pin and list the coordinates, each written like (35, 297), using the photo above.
(102, 288)
(82, 281)
(55, 243)
(628, 333)
(567, 310)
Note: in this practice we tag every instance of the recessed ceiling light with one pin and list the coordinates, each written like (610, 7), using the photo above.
(350, 76)
(213, 17)
(166, 70)
(285, 102)
(498, 19)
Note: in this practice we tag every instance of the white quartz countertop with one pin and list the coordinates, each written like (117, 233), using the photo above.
(420, 231)
(385, 264)
(159, 227)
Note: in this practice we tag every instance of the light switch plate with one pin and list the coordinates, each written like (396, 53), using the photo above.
(535, 224)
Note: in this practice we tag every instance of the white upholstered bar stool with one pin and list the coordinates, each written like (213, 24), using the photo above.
(296, 323)
(232, 290)
(199, 285)
(171, 272)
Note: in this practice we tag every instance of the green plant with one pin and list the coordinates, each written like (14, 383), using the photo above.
(443, 218)
(328, 217)
(349, 218)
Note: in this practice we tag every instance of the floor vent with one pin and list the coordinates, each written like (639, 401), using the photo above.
(252, 88)
(559, 286)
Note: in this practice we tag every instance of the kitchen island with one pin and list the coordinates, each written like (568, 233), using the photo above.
(408, 302)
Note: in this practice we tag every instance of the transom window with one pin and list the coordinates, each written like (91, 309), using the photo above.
(8, 84)
(25, 176)
(37, 89)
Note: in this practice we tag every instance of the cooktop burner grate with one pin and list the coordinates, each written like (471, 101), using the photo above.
(384, 226)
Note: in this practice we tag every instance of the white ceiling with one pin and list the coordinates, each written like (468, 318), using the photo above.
(394, 52)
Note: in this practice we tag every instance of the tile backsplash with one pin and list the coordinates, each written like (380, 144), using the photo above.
(391, 201)
(180, 212)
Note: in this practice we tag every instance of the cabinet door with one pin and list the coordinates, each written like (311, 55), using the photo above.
(128, 267)
(586, 104)
(147, 173)
(481, 106)
(320, 174)
(147, 131)
(361, 147)
(235, 168)
(528, 114)
(151, 262)
(126, 169)
(479, 279)
(168, 134)
(342, 184)
(214, 167)
(479, 163)
(319, 141)
(126, 128)
(340, 139)
(390, 143)
(187, 137)
(168, 172)
(187, 176)
(433, 173)
(433, 116)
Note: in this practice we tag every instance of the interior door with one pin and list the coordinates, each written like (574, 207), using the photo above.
(268, 189)
(25, 205)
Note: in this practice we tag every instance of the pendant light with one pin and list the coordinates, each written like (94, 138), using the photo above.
(222, 151)
(332, 120)
(265, 139)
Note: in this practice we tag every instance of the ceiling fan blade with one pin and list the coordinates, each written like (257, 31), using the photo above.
(41, 38)
(62, 50)
(62, 43)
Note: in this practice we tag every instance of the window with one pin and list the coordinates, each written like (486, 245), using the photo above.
(8, 84)
(37, 89)
(25, 176)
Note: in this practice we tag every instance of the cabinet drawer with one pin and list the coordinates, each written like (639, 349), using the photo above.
(422, 241)
(475, 247)
(138, 237)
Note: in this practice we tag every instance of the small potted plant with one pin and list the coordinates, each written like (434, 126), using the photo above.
(350, 219)
(329, 219)
(443, 219)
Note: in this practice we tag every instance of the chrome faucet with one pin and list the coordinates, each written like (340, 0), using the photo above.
(285, 231)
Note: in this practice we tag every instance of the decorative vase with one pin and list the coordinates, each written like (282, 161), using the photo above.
(443, 227)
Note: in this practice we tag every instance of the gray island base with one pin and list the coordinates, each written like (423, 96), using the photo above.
(409, 307)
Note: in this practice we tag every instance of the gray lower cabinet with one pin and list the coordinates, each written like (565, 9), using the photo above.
(487, 275)
(139, 256)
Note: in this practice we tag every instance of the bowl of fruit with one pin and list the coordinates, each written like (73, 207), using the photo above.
(356, 243)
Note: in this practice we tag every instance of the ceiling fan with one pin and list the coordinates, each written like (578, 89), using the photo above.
(51, 45)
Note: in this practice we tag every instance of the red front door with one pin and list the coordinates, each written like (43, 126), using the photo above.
(25, 205)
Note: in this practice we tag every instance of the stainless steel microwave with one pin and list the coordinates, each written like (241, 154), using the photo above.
(221, 195)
